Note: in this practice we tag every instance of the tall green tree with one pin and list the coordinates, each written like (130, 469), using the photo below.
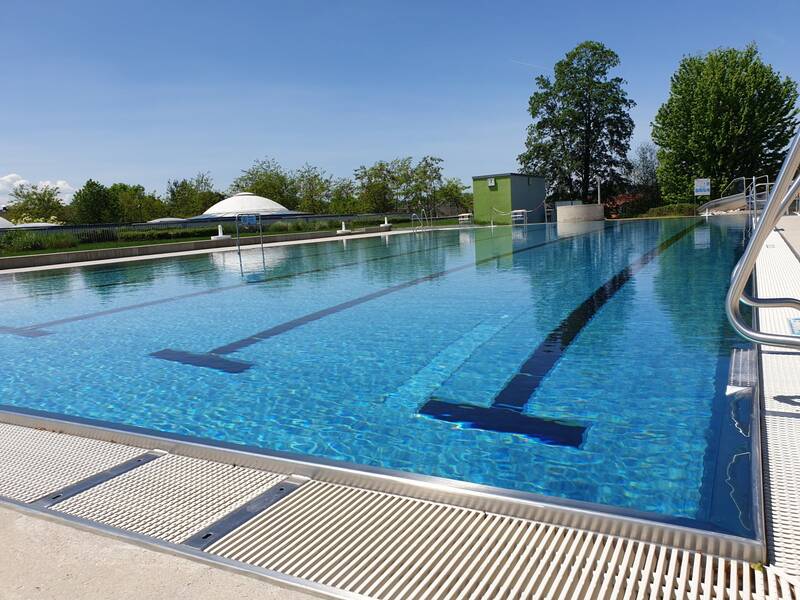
(94, 203)
(136, 205)
(268, 179)
(728, 115)
(344, 197)
(453, 194)
(426, 181)
(377, 187)
(313, 187)
(34, 204)
(191, 197)
(581, 123)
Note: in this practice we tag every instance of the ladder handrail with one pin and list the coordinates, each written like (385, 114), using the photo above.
(783, 191)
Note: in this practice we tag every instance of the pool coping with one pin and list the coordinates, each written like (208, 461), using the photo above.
(597, 518)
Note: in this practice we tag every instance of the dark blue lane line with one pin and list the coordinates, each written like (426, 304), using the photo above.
(38, 329)
(208, 360)
(315, 316)
(31, 333)
(505, 413)
(549, 431)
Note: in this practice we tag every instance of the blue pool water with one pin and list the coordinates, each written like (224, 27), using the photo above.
(586, 362)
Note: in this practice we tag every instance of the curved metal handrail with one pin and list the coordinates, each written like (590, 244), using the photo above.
(783, 192)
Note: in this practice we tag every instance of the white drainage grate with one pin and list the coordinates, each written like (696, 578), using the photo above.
(782, 440)
(35, 462)
(778, 272)
(392, 547)
(170, 498)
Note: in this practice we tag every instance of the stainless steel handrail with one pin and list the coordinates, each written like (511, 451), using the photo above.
(783, 192)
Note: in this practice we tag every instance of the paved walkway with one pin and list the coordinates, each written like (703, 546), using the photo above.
(45, 560)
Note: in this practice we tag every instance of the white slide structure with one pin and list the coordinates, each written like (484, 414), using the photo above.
(753, 195)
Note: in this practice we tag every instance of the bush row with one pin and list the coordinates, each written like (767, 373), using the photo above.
(673, 210)
(23, 241)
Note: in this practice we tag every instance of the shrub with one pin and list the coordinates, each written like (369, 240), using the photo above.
(673, 210)
(26, 241)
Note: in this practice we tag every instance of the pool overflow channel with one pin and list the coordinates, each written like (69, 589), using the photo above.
(506, 412)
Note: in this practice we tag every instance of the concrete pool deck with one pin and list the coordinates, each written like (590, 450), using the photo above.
(46, 560)
(351, 542)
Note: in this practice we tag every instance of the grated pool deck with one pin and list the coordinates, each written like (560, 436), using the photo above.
(778, 275)
(343, 541)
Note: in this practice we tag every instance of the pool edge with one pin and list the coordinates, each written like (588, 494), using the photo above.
(558, 511)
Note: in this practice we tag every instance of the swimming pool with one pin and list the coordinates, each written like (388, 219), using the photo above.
(586, 361)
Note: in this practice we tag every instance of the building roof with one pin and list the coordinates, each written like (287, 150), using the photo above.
(506, 175)
(5, 223)
(245, 203)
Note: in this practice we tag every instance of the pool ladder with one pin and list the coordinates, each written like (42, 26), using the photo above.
(780, 195)
(423, 219)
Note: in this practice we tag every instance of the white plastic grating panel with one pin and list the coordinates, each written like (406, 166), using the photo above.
(782, 437)
(392, 547)
(171, 498)
(35, 462)
(778, 272)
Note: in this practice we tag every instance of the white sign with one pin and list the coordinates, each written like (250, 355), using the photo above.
(702, 187)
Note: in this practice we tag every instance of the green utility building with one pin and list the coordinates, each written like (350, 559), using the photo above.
(495, 196)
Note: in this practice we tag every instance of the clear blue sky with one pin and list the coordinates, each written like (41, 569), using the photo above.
(142, 92)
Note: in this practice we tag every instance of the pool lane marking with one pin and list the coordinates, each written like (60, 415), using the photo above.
(196, 359)
(39, 329)
(505, 413)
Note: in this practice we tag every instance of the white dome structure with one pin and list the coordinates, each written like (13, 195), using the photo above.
(246, 203)
(167, 220)
(5, 223)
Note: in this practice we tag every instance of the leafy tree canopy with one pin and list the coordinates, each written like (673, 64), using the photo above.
(94, 203)
(728, 115)
(191, 197)
(36, 204)
(135, 205)
(581, 124)
(268, 179)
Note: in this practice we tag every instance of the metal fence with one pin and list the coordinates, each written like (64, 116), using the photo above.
(197, 227)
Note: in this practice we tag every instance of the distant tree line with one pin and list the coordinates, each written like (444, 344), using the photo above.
(728, 115)
(386, 186)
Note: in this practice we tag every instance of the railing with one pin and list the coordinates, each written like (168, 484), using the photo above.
(756, 196)
(249, 220)
(783, 192)
(518, 216)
